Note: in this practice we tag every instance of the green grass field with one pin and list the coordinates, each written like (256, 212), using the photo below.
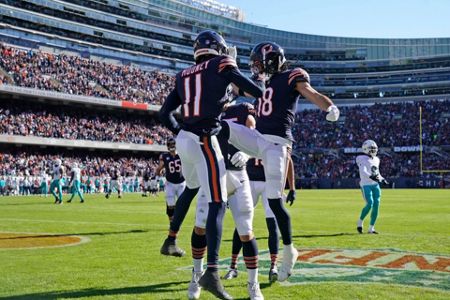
(122, 260)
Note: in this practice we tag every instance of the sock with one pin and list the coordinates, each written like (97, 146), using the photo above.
(198, 244)
(283, 219)
(182, 208)
(273, 241)
(360, 223)
(371, 228)
(236, 248)
(214, 233)
(250, 251)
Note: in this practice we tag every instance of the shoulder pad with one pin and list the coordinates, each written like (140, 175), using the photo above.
(298, 75)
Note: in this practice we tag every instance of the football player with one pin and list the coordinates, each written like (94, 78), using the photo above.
(146, 181)
(57, 175)
(201, 91)
(170, 162)
(257, 178)
(369, 173)
(275, 119)
(115, 183)
(75, 183)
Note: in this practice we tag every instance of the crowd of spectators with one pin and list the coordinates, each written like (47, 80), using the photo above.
(45, 120)
(80, 76)
(387, 124)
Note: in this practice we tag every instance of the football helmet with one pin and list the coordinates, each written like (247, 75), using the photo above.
(267, 57)
(75, 165)
(209, 42)
(171, 145)
(58, 162)
(370, 148)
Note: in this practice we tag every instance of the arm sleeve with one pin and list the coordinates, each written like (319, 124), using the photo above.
(297, 75)
(166, 113)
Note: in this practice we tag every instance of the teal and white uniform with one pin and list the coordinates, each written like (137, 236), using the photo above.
(44, 183)
(369, 166)
(76, 183)
(57, 173)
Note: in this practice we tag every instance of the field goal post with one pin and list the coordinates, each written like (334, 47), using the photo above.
(422, 171)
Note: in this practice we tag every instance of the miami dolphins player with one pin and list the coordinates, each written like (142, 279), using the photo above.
(75, 183)
(57, 175)
(369, 173)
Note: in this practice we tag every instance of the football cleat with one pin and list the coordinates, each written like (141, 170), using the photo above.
(170, 248)
(360, 229)
(232, 273)
(290, 255)
(69, 201)
(81, 201)
(372, 232)
(194, 288)
(210, 282)
(273, 274)
(107, 196)
(254, 291)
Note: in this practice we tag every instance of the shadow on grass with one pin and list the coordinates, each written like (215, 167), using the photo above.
(70, 234)
(306, 236)
(168, 287)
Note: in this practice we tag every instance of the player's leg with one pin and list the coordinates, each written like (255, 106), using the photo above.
(170, 200)
(368, 198)
(119, 189)
(79, 191)
(212, 174)
(53, 186)
(241, 206)
(273, 240)
(198, 245)
(235, 249)
(189, 151)
(275, 163)
(60, 191)
(376, 193)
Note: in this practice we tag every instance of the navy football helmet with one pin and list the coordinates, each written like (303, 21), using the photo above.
(267, 57)
(209, 42)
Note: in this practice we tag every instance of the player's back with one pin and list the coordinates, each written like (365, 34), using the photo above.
(203, 91)
(276, 108)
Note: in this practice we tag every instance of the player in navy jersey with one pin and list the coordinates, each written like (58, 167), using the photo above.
(275, 118)
(115, 183)
(201, 91)
(171, 163)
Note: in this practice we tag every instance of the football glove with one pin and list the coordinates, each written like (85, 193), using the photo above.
(333, 113)
(232, 51)
(239, 159)
(290, 197)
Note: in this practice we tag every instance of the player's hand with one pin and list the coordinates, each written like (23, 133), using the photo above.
(290, 197)
(384, 181)
(232, 51)
(333, 113)
(239, 159)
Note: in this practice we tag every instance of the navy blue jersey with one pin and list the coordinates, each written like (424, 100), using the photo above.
(276, 108)
(237, 113)
(255, 170)
(172, 165)
(203, 90)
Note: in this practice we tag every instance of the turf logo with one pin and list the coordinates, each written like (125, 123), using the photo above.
(364, 266)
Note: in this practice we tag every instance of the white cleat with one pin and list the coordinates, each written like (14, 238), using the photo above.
(195, 288)
(290, 255)
(254, 291)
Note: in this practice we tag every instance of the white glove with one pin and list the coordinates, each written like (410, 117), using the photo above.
(239, 159)
(232, 51)
(333, 113)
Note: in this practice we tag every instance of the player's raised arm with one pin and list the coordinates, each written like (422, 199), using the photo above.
(245, 85)
(167, 111)
(160, 166)
(322, 101)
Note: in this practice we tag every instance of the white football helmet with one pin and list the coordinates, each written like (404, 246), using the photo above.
(370, 148)
(58, 162)
(75, 165)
